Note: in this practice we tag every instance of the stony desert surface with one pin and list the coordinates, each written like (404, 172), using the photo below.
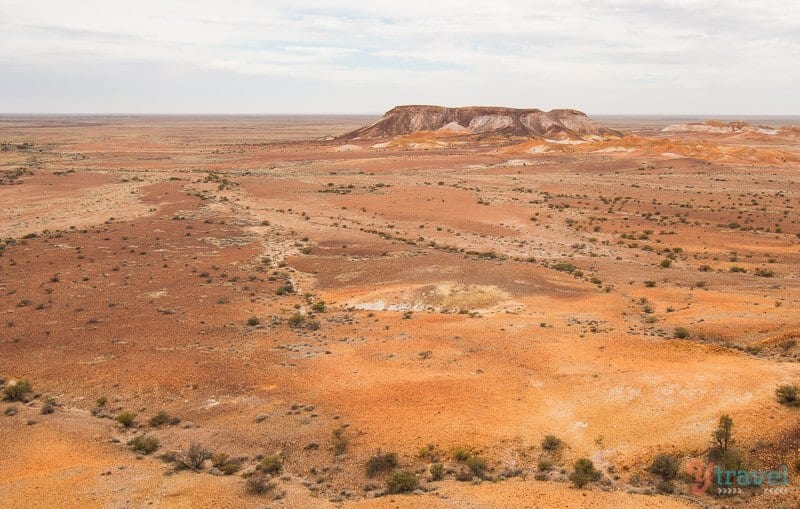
(259, 312)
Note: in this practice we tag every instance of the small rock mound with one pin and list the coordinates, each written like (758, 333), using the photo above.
(555, 124)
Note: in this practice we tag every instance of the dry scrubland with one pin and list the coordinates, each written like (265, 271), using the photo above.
(215, 313)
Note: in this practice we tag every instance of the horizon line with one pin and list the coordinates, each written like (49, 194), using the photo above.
(295, 114)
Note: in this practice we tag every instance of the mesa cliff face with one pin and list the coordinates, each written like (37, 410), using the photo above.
(563, 123)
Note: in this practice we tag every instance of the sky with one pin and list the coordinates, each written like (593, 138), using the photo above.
(308, 57)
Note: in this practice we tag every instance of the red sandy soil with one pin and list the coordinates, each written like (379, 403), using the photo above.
(479, 295)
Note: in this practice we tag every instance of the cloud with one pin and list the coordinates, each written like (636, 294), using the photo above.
(662, 55)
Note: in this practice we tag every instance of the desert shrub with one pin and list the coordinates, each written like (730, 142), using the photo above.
(340, 441)
(477, 465)
(144, 444)
(163, 418)
(584, 473)
(650, 284)
(260, 484)
(401, 481)
(564, 267)
(787, 344)
(665, 466)
(681, 332)
(437, 472)
(253, 321)
(319, 306)
(461, 454)
(552, 443)
(48, 407)
(192, 458)
(21, 390)
(427, 452)
(101, 401)
(728, 459)
(126, 419)
(764, 273)
(722, 437)
(270, 464)
(219, 458)
(544, 465)
(224, 463)
(788, 395)
(296, 320)
(285, 288)
(229, 468)
(381, 462)
(666, 263)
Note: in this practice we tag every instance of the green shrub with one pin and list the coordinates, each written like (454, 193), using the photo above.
(270, 464)
(144, 444)
(461, 454)
(564, 267)
(728, 459)
(437, 472)
(21, 390)
(127, 419)
(788, 395)
(552, 443)
(544, 465)
(319, 306)
(401, 481)
(666, 263)
(584, 473)
(722, 438)
(477, 465)
(49, 406)
(381, 462)
(229, 468)
(666, 466)
(297, 320)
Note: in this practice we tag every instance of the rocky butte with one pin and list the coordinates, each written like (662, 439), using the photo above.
(554, 124)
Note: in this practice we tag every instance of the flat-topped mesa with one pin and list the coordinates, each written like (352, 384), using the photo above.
(563, 123)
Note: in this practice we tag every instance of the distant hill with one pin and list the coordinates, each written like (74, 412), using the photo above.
(557, 124)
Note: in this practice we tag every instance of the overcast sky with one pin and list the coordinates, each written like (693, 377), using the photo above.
(276, 56)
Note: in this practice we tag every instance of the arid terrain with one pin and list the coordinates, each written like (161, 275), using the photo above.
(269, 312)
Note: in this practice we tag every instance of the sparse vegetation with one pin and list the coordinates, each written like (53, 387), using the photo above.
(162, 418)
(552, 443)
(144, 444)
(126, 419)
(665, 466)
(584, 473)
(788, 395)
(21, 390)
(401, 481)
(340, 441)
(260, 484)
(270, 464)
(192, 458)
(681, 332)
(381, 462)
